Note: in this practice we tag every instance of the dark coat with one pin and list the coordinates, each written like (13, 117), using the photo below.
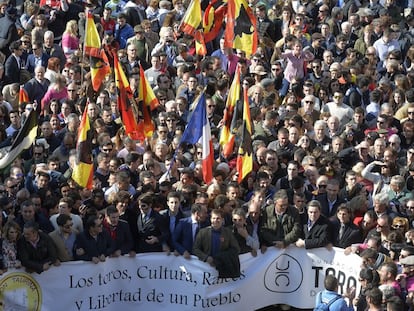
(103, 245)
(154, 226)
(31, 62)
(352, 235)
(323, 199)
(122, 237)
(318, 235)
(227, 260)
(183, 236)
(36, 90)
(11, 70)
(33, 258)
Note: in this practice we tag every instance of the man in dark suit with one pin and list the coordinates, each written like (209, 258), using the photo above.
(346, 233)
(153, 234)
(330, 200)
(217, 246)
(186, 231)
(13, 63)
(93, 244)
(172, 215)
(317, 230)
(37, 58)
(119, 232)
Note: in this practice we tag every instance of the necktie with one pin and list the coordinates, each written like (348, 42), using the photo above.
(196, 228)
(341, 231)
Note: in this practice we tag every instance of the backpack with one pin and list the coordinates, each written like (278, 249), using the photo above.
(323, 306)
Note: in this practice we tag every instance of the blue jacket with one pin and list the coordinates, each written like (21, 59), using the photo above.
(123, 34)
(338, 305)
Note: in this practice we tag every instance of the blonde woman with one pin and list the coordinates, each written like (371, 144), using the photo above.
(70, 40)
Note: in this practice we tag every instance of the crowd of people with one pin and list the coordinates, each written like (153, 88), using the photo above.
(331, 94)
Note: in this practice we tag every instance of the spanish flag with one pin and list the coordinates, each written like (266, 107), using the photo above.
(24, 139)
(23, 96)
(229, 129)
(213, 19)
(241, 30)
(98, 59)
(125, 100)
(191, 24)
(83, 169)
(147, 102)
(245, 154)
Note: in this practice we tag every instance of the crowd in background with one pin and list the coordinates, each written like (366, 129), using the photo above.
(331, 94)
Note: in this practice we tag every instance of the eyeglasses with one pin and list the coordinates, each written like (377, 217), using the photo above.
(211, 106)
(25, 42)
(337, 97)
(322, 186)
(34, 49)
(383, 226)
(380, 122)
(398, 226)
(107, 149)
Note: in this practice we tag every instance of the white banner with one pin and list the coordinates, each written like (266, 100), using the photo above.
(160, 282)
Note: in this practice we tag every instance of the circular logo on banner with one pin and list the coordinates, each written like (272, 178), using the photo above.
(284, 275)
(19, 291)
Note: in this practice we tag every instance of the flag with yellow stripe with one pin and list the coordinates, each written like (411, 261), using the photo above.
(245, 154)
(82, 172)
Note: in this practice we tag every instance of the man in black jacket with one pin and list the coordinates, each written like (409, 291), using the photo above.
(93, 244)
(36, 250)
(317, 230)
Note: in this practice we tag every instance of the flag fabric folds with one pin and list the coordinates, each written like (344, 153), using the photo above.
(23, 96)
(213, 19)
(83, 170)
(198, 131)
(241, 30)
(24, 139)
(245, 154)
(147, 102)
(192, 25)
(98, 59)
(125, 101)
(227, 135)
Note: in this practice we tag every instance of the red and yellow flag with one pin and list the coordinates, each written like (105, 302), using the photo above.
(83, 170)
(147, 102)
(227, 135)
(192, 25)
(98, 59)
(23, 96)
(245, 154)
(241, 30)
(213, 19)
(125, 101)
